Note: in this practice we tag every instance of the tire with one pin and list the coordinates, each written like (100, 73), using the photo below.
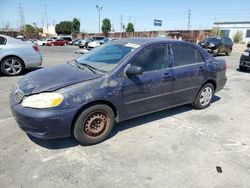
(241, 68)
(229, 52)
(204, 97)
(94, 124)
(216, 52)
(12, 66)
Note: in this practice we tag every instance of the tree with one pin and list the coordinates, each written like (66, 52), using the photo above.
(28, 29)
(106, 26)
(215, 31)
(64, 28)
(76, 25)
(237, 37)
(130, 27)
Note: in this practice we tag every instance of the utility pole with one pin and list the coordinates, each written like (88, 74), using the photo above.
(99, 8)
(189, 17)
(121, 23)
(21, 15)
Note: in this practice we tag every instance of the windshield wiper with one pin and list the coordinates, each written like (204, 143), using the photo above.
(75, 64)
(93, 69)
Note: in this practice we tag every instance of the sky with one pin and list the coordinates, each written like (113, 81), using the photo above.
(174, 14)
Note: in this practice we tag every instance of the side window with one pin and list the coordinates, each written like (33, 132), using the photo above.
(185, 55)
(154, 58)
(3, 41)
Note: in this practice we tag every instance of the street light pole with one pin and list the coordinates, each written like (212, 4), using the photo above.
(99, 8)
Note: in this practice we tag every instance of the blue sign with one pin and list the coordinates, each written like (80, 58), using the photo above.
(157, 22)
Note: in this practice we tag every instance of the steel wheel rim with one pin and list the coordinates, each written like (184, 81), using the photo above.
(206, 96)
(96, 124)
(12, 66)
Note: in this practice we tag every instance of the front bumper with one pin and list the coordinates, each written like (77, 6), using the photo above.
(43, 123)
(245, 61)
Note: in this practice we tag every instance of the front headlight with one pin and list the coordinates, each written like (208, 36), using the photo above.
(43, 100)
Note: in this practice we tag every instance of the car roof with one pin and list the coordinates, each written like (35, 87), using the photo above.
(11, 40)
(143, 41)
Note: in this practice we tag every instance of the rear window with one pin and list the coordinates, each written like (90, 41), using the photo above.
(3, 41)
(185, 55)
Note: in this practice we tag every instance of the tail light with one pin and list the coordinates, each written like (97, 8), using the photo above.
(36, 48)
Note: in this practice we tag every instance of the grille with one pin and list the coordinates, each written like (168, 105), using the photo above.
(18, 95)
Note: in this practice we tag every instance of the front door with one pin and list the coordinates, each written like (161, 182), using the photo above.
(150, 91)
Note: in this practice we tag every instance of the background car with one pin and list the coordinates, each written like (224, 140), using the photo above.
(16, 55)
(69, 39)
(217, 45)
(245, 59)
(84, 43)
(43, 42)
(74, 41)
(58, 42)
(96, 41)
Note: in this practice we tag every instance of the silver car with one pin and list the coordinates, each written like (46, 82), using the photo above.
(16, 55)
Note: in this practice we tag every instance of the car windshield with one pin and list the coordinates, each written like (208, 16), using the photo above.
(105, 57)
(213, 40)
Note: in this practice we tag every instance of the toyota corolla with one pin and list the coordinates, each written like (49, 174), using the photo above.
(114, 82)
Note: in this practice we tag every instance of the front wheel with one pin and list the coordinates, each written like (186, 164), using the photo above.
(204, 97)
(12, 66)
(94, 124)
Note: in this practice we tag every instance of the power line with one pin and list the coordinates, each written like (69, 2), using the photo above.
(189, 17)
(21, 15)
(46, 16)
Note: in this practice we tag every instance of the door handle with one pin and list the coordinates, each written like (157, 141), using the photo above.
(168, 76)
(201, 69)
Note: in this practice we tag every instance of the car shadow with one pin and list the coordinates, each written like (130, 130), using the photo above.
(143, 120)
(62, 143)
(55, 144)
(28, 70)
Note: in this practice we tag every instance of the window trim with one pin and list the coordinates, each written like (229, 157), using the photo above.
(168, 63)
(172, 54)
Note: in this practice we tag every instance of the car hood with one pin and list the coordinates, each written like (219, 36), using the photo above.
(50, 79)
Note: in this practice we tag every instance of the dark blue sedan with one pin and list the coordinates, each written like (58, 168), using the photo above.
(114, 82)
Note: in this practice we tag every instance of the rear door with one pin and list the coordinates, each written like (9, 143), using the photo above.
(150, 91)
(189, 71)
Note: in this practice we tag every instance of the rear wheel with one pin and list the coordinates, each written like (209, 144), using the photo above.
(204, 97)
(229, 52)
(94, 124)
(216, 52)
(12, 66)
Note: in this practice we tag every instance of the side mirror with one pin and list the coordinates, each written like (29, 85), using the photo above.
(248, 44)
(134, 70)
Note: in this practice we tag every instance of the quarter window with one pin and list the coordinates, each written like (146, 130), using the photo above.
(3, 41)
(154, 58)
(184, 55)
